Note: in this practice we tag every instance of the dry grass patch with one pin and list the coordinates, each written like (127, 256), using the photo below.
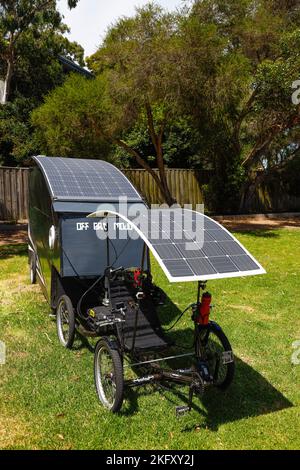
(13, 432)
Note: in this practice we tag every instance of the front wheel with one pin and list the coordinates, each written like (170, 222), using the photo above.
(65, 321)
(108, 373)
(218, 355)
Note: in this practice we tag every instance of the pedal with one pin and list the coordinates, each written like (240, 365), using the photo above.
(181, 410)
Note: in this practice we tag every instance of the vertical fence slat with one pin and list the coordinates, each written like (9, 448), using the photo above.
(2, 201)
(7, 194)
(26, 193)
(14, 194)
(197, 198)
(21, 200)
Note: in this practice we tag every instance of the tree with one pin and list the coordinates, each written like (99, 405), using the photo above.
(76, 120)
(67, 123)
(17, 18)
(241, 59)
(223, 70)
(138, 61)
(34, 71)
(181, 145)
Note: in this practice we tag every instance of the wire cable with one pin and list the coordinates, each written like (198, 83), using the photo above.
(121, 252)
(179, 317)
(78, 308)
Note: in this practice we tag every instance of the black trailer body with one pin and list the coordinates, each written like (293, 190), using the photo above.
(64, 245)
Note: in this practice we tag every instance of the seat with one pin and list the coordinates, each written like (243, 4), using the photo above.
(149, 334)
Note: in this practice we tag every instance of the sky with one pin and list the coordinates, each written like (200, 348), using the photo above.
(91, 18)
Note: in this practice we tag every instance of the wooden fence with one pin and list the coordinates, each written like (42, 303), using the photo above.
(13, 193)
(185, 186)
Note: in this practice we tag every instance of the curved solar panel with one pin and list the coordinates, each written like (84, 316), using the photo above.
(74, 179)
(190, 246)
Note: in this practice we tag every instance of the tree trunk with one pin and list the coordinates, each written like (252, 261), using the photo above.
(147, 167)
(244, 196)
(7, 82)
(9, 71)
(157, 144)
(160, 179)
(162, 175)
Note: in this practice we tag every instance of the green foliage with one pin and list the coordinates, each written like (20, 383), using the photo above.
(136, 59)
(66, 124)
(207, 87)
(16, 141)
(141, 83)
(217, 81)
(31, 39)
(181, 147)
(291, 176)
(245, 110)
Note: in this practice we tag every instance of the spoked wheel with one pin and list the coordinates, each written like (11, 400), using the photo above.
(108, 372)
(218, 355)
(65, 321)
(32, 268)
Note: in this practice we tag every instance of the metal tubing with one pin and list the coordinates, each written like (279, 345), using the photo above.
(159, 360)
(171, 376)
(198, 292)
(143, 256)
(175, 377)
(143, 380)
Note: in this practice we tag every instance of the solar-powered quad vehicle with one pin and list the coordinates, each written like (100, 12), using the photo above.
(90, 237)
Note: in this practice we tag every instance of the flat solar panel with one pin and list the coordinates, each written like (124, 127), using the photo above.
(74, 179)
(190, 246)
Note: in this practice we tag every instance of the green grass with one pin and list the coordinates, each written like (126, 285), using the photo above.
(47, 393)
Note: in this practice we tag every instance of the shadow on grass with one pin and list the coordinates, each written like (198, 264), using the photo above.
(8, 251)
(249, 395)
(169, 312)
(82, 342)
(271, 233)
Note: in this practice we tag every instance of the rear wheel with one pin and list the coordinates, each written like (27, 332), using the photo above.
(108, 373)
(218, 355)
(65, 321)
(32, 268)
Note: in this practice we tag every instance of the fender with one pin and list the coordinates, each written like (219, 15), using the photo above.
(112, 342)
(216, 325)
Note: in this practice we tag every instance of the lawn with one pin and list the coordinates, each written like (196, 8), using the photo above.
(47, 393)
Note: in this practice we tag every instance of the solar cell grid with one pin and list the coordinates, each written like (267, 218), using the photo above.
(71, 178)
(215, 254)
(201, 265)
